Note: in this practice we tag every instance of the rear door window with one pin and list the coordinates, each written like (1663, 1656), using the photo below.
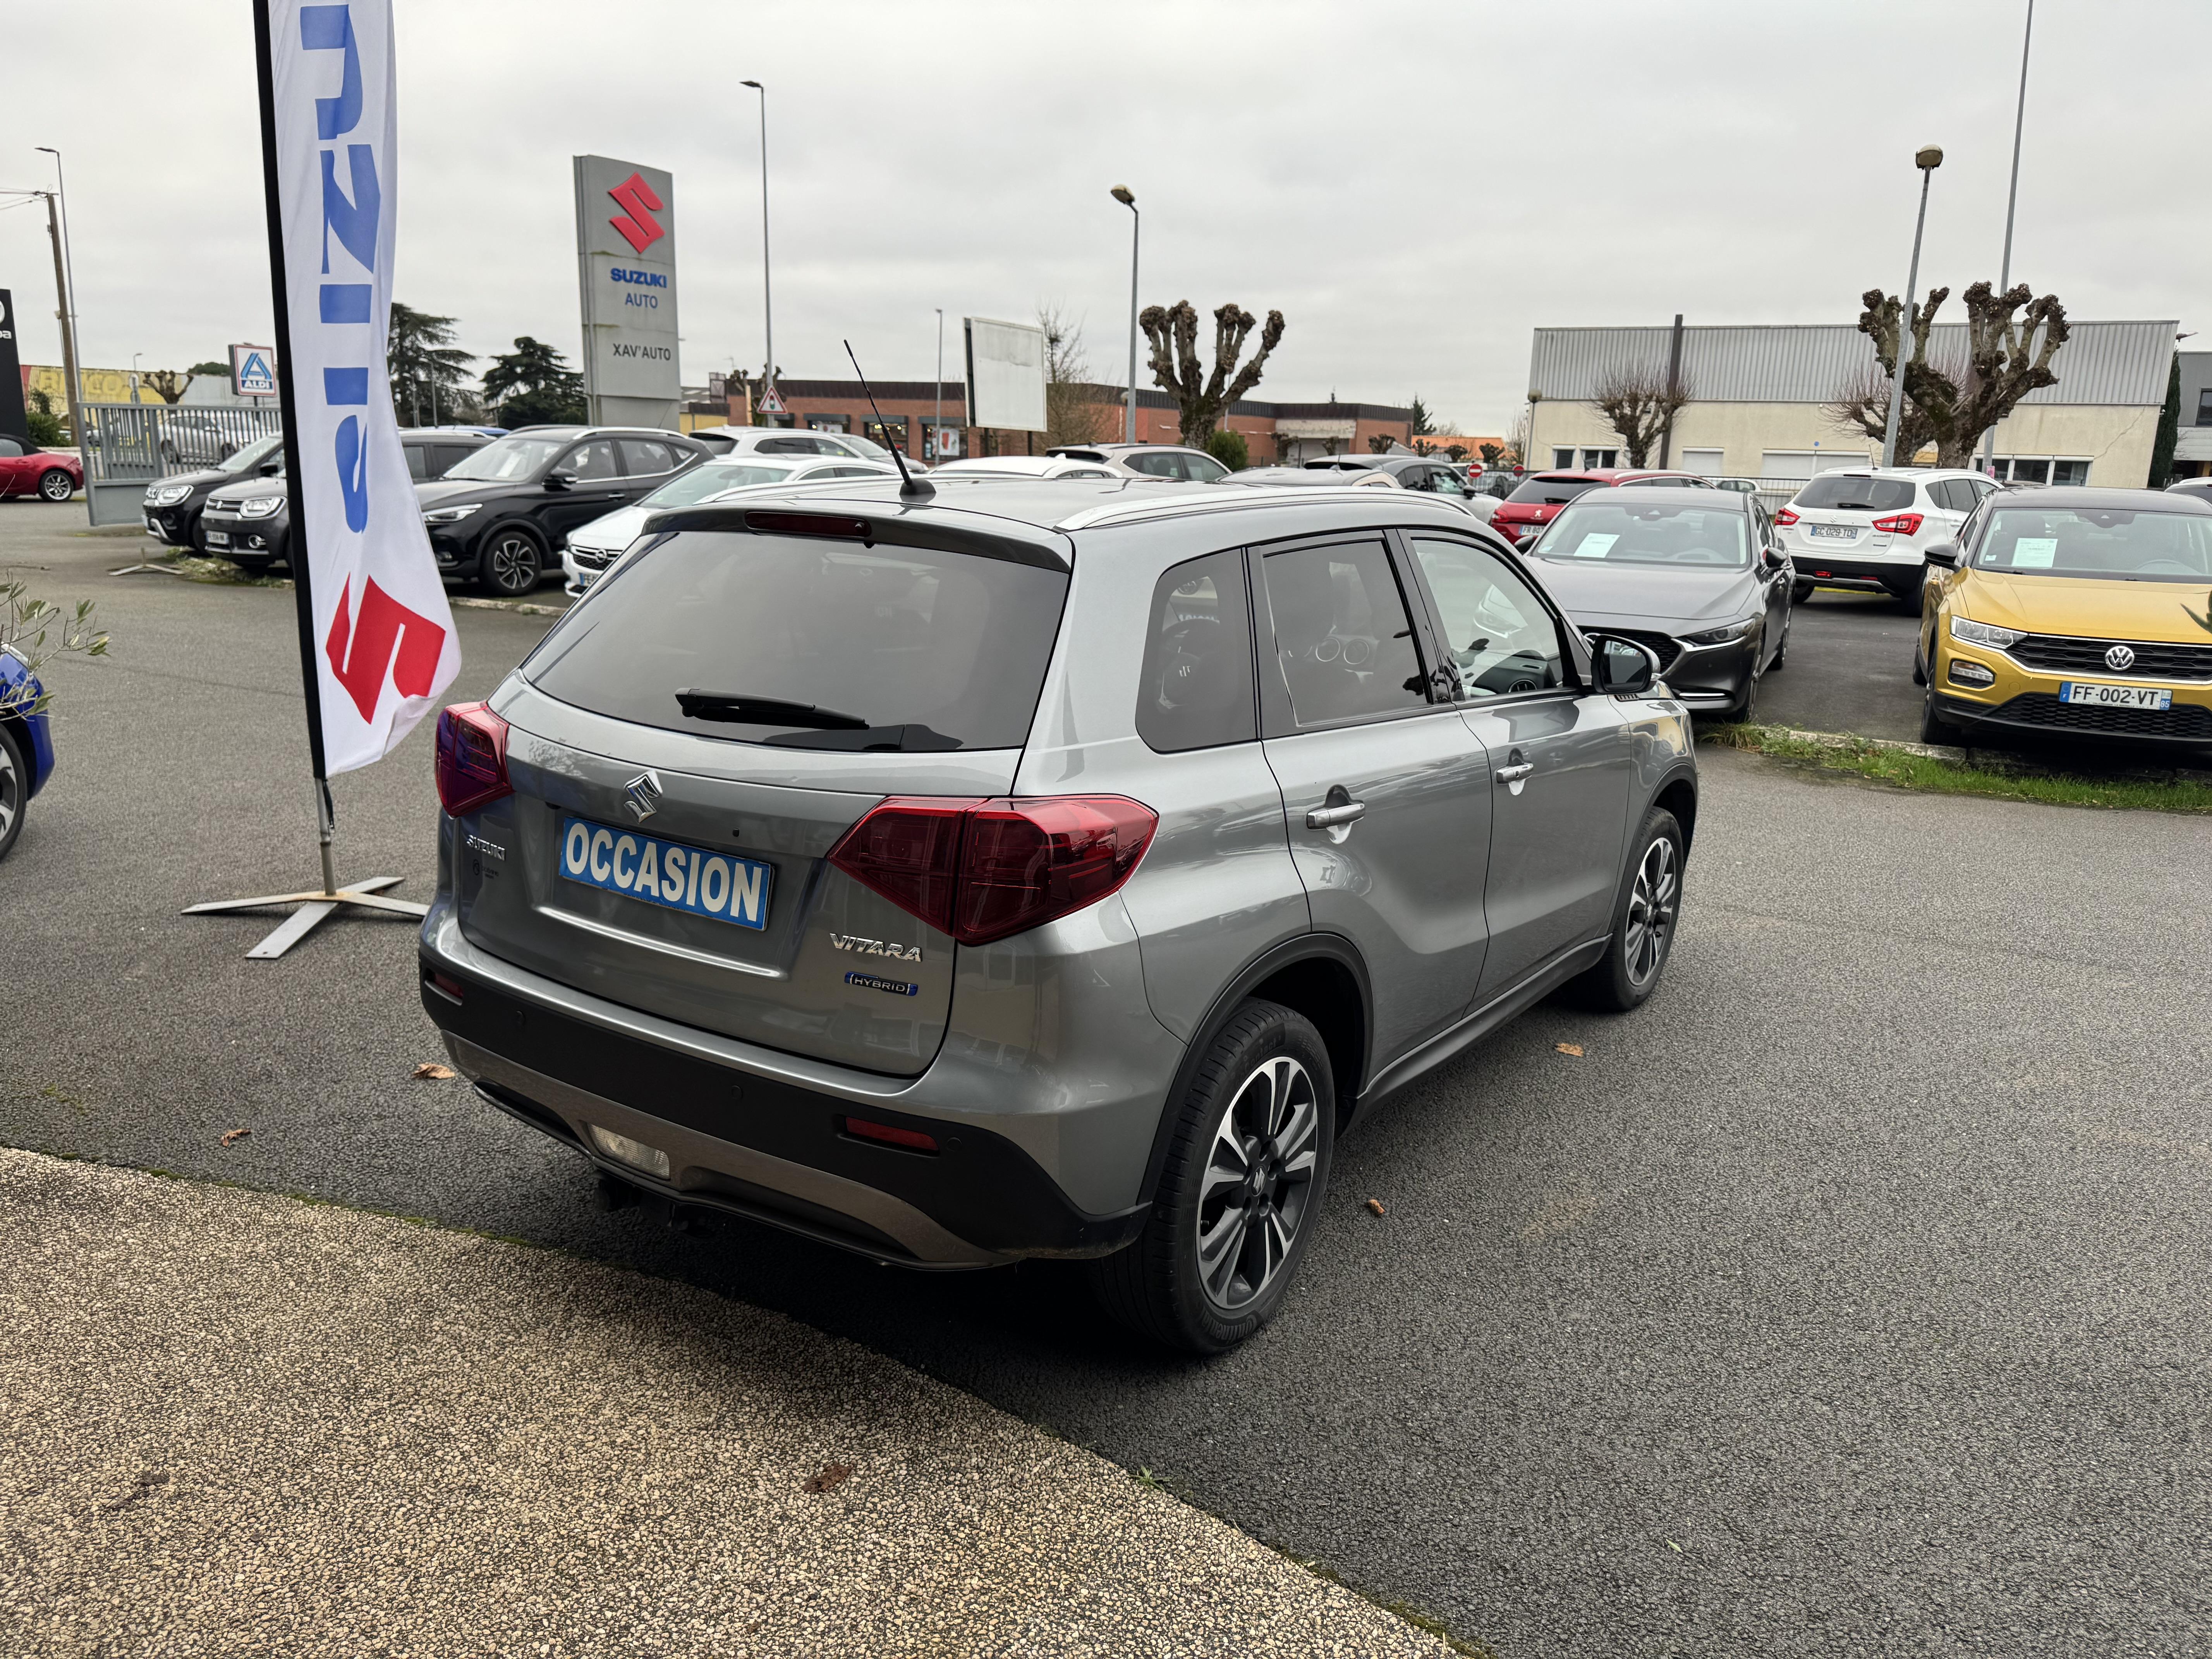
(418, 460)
(591, 461)
(808, 643)
(1195, 689)
(1339, 630)
(642, 457)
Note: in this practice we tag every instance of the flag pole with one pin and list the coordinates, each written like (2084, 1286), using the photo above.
(313, 907)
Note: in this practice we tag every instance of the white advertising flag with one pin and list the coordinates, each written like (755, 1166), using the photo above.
(382, 630)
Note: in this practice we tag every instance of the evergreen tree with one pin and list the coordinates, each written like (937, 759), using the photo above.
(429, 371)
(533, 385)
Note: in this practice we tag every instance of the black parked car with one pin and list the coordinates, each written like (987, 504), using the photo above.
(499, 516)
(171, 506)
(1694, 573)
(433, 451)
(249, 521)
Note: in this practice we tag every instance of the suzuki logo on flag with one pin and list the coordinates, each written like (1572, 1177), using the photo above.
(385, 636)
(637, 225)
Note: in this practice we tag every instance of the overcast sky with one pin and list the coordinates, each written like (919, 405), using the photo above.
(1415, 188)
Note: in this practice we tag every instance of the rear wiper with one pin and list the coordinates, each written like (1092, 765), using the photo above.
(911, 739)
(738, 708)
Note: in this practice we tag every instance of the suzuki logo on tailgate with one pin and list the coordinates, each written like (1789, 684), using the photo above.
(875, 947)
(643, 796)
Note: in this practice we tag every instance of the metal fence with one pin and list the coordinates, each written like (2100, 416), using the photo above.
(140, 442)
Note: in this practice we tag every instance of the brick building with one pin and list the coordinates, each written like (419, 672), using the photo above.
(1274, 432)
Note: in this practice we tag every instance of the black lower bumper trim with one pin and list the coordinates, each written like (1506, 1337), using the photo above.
(979, 1186)
(2039, 714)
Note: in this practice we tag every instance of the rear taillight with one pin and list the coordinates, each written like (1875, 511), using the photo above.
(471, 757)
(982, 870)
(1785, 517)
(1900, 524)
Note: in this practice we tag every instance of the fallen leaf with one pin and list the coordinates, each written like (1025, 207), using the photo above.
(833, 1476)
(1376, 1205)
(1574, 1049)
(430, 1071)
(232, 1137)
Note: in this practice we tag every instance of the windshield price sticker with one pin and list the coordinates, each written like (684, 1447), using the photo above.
(2035, 552)
(666, 873)
(1595, 546)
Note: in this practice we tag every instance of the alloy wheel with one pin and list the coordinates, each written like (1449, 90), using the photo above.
(1652, 904)
(56, 487)
(1258, 1184)
(11, 793)
(514, 567)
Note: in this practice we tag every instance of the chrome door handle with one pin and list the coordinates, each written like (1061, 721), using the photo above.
(1328, 817)
(1515, 773)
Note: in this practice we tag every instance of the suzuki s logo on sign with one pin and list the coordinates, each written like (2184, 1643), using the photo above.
(639, 204)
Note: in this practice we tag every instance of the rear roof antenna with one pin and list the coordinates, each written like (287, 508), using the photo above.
(911, 489)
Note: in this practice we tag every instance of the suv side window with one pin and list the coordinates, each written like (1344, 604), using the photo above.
(591, 461)
(1195, 687)
(785, 447)
(1499, 638)
(1157, 466)
(1342, 639)
(418, 460)
(1203, 469)
(642, 457)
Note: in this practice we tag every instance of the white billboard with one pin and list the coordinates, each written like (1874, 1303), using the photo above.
(626, 265)
(1005, 375)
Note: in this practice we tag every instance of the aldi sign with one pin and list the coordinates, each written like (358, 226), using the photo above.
(252, 371)
(626, 271)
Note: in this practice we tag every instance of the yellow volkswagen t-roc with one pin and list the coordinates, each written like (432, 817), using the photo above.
(2072, 613)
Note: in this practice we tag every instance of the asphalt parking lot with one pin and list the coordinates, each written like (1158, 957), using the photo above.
(1847, 1298)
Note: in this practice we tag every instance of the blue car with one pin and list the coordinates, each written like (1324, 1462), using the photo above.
(27, 747)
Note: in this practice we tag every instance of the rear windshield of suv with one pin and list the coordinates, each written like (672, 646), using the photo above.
(1840, 492)
(811, 644)
(1551, 492)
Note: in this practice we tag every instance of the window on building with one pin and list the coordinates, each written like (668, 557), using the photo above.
(1601, 458)
(830, 423)
(2204, 407)
(1562, 458)
(2069, 472)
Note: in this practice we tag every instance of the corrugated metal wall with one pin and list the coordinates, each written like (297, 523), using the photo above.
(2123, 363)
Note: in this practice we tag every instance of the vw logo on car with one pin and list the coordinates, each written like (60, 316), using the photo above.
(2120, 659)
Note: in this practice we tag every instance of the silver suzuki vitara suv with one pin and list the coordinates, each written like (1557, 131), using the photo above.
(1041, 868)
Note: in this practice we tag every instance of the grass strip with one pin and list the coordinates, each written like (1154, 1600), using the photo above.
(1899, 766)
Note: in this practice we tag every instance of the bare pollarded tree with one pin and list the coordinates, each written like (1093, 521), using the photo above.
(1639, 404)
(1205, 397)
(2008, 356)
(1862, 404)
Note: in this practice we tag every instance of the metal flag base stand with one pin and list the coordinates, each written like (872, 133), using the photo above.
(315, 907)
(149, 567)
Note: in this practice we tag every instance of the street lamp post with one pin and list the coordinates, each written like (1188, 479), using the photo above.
(2012, 199)
(1128, 199)
(1927, 158)
(930, 450)
(65, 280)
(767, 305)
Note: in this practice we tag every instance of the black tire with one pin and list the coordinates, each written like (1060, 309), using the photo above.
(15, 788)
(1800, 591)
(1645, 918)
(1782, 651)
(1264, 1083)
(512, 562)
(1919, 661)
(1745, 709)
(55, 485)
(1934, 728)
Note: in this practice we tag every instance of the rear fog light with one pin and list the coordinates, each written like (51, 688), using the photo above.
(635, 1153)
(912, 1141)
(446, 986)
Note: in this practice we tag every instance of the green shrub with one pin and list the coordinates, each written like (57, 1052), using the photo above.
(46, 430)
(1230, 449)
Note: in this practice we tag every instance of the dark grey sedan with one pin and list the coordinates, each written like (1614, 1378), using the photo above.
(1693, 574)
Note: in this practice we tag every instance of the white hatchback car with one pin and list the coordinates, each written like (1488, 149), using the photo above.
(1869, 527)
(1024, 466)
(790, 443)
(591, 548)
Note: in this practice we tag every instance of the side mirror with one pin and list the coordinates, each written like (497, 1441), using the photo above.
(559, 480)
(270, 469)
(1623, 668)
(1945, 554)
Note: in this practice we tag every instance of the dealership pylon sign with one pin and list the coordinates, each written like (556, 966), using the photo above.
(626, 272)
(376, 635)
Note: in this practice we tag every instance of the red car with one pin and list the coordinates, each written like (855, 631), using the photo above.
(1537, 500)
(25, 471)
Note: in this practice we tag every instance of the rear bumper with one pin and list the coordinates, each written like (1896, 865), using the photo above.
(1903, 571)
(744, 1141)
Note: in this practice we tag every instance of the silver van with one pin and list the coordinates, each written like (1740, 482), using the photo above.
(1041, 868)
